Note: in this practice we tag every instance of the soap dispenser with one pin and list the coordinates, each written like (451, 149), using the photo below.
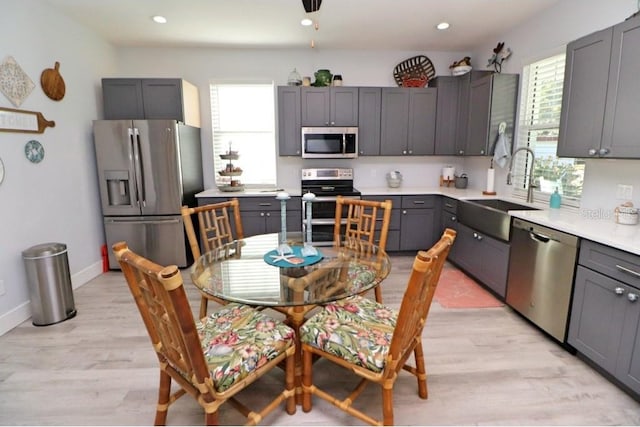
(555, 199)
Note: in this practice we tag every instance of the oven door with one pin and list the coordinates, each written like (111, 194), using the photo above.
(323, 213)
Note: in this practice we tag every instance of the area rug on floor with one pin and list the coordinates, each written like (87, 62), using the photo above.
(457, 290)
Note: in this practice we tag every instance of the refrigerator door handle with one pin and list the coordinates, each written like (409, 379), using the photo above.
(139, 168)
(133, 221)
(133, 162)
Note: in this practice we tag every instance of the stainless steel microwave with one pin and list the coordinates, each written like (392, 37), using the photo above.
(329, 142)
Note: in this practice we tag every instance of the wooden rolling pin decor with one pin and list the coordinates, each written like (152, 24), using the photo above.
(52, 82)
(12, 120)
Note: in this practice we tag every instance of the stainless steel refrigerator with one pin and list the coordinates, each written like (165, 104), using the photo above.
(147, 169)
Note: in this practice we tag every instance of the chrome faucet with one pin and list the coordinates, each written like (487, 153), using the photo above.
(531, 182)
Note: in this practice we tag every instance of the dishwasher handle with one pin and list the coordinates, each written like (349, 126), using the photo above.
(538, 237)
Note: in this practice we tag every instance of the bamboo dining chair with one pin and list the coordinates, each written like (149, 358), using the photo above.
(212, 359)
(366, 220)
(373, 341)
(216, 226)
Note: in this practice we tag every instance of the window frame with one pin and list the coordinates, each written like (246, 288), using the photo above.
(220, 147)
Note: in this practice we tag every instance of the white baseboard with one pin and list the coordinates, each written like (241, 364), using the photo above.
(22, 313)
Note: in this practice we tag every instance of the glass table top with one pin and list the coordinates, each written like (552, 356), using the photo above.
(243, 271)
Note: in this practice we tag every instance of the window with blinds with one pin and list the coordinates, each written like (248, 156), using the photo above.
(539, 123)
(243, 120)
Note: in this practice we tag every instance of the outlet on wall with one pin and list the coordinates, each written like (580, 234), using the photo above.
(2, 289)
(624, 192)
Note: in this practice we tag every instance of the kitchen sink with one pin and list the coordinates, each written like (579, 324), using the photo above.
(489, 216)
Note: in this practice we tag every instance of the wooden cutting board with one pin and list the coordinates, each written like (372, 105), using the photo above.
(52, 83)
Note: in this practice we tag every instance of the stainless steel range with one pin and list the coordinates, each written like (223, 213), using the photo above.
(327, 184)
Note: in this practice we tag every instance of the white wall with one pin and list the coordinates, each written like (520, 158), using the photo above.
(55, 200)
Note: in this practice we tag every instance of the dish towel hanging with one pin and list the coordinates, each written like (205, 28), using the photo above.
(502, 152)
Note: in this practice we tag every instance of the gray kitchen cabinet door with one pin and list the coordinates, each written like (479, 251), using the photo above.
(289, 122)
(329, 106)
(597, 316)
(478, 124)
(394, 123)
(584, 94)
(628, 366)
(370, 104)
(492, 100)
(408, 117)
(621, 135)
(418, 222)
(344, 106)
(422, 121)
(447, 120)
(122, 99)
(162, 99)
(484, 258)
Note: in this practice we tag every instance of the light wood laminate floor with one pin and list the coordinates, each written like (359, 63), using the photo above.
(486, 367)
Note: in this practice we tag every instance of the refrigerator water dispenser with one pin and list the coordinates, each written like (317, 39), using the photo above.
(118, 187)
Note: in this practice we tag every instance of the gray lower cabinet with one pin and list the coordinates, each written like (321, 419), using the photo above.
(605, 315)
(418, 222)
(449, 219)
(600, 94)
(393, 236)
(289, 113)
(261, 215)
(408, 121)
(370, 104)
(150, 98)
(484, 258)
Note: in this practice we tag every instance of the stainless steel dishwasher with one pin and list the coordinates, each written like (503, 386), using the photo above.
(540, 278)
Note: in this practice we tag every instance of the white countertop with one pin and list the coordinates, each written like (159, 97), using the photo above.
(596, 225)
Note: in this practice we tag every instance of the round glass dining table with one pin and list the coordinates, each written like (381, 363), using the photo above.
(251, 271)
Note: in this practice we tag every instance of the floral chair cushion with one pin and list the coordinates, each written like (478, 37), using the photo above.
(355, 329)
(237, 339)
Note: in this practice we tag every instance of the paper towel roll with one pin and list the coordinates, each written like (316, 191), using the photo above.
(491, 176)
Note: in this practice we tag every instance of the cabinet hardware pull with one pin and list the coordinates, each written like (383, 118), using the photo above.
(264, 204)
(592, 151)
(632, 297)
(447, 205)
(626, 270)
(603, 151)
(418, 202)
(453, 218)
(619, 290)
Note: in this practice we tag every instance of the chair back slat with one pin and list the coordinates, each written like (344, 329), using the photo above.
(361, 219)
(418, 296)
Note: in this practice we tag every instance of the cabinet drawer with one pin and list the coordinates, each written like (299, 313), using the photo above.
(612, 262)
(450, 205)
(419, 202)
(396, 201)
(268, 204)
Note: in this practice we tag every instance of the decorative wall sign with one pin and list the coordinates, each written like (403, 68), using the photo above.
(34, 151)
(24, 121)
(14, 82)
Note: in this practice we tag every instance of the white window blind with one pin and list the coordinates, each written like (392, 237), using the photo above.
(243, 118)
(539, 123)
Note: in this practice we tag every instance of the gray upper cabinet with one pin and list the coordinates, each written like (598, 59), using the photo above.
(492, 100)
(600, 94)
(329, 106)
(370, 103)
(128, 98)
(408, 119)
(447, 115)
(289, 134)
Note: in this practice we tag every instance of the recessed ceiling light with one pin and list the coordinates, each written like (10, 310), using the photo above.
(306, 22)
(442, 26)
(159, 19)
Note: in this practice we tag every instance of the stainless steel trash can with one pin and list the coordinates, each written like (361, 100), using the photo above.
(49, 280)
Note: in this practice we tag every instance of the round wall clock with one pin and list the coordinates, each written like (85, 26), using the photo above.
(34, 151)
